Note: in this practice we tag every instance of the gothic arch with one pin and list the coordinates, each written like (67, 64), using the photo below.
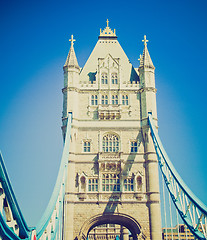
(114, 218)
(110, 142)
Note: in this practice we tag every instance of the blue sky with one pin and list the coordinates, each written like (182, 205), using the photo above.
(33, 49)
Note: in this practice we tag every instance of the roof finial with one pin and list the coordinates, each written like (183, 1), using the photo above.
(140, 57)
(107, 22)
(72, 40)
(145, 41)
(107, 32)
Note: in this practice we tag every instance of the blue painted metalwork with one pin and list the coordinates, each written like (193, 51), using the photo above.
(51, 222)
(12, 209)
(192, 211)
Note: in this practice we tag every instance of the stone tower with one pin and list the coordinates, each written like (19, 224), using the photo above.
(112, 167)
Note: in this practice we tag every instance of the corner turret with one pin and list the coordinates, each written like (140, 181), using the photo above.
(147, 80)
(71, 79)
(145, 59)
(71, 61)
(148, 104)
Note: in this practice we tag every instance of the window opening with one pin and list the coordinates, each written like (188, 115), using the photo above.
(94, 100)
(111, 182)
(114, 99)
(114, 78)
(92, 184)
(104, 100)
(110, 143)
(129, 184)
(125, 100)
(133, 146)
(104, 78)
(86, 146)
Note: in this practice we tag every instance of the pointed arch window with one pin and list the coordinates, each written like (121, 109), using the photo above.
(104, 78)
(139, 183)
(110, 143)
(82, 184)
(114, 78)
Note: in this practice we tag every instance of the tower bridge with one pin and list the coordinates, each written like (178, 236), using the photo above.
(108, 183)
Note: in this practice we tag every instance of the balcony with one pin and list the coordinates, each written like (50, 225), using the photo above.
(104, 156)
(110, 161)
(109, 112)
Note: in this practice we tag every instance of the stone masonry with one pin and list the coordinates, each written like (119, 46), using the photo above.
(112, 167)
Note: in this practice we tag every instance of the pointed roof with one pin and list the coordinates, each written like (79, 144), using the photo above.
(108, 47)
(107, 32)
(71, 60)
(145, 59)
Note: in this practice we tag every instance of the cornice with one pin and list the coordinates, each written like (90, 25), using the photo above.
(87, 90)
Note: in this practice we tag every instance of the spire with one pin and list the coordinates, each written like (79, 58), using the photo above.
(107, 32)
(145, 59)
(71, 60)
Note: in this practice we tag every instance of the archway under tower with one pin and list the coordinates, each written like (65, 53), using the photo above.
(112, 218)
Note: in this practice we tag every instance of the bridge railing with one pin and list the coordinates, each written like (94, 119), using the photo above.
(12, 223)
(192, 211)
(50, 225)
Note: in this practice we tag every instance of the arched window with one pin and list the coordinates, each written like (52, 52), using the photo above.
(104, 78)
(114, 78)
(110, 143)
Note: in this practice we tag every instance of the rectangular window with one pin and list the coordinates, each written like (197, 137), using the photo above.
(111, 182)
(104, 100)
(125, 100)
(114, 78)
(86, 146)
(94, 100)
(129, 184)
(133, 146)
(114, 99)
(93, 185)
(104, 78)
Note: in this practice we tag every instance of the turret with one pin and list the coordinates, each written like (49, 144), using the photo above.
(148, 104)
(71, 78)
(71, 63)
(147, 79)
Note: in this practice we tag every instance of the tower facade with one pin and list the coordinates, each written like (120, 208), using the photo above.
(112, 166)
